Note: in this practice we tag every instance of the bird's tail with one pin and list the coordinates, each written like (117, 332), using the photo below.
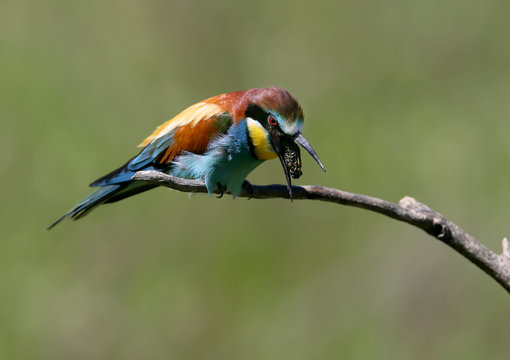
(105, 194)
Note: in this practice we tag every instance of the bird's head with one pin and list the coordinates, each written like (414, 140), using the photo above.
(275, 121)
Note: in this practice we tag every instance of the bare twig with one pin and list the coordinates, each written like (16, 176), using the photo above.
(407, 210)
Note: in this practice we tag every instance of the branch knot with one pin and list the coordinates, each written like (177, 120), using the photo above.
(506, 249)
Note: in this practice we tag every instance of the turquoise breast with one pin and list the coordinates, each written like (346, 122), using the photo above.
(227, 161)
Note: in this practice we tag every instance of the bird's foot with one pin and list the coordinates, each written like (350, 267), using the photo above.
(221, 190)
(248, 188)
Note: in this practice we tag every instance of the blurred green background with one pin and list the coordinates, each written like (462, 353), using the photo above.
(400, 98)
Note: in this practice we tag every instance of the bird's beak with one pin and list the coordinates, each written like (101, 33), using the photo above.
(290, 157)
(300, 139)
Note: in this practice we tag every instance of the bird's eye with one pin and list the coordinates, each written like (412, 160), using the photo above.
(271, 120)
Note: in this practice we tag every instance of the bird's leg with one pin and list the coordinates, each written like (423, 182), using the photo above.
(248, 188)
(221, 189)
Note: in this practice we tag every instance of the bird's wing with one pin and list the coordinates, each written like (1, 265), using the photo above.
(192, 115)
(190, 131)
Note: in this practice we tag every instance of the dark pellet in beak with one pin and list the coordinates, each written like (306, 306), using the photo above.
(292, 158)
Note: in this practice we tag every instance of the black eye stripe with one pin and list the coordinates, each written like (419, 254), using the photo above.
(256, 113)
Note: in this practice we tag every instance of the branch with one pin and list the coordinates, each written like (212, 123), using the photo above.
(407, 210)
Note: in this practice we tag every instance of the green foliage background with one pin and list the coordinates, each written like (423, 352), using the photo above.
(400, 97)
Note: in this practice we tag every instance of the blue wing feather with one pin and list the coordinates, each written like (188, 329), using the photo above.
(142, 161)
(152, 151)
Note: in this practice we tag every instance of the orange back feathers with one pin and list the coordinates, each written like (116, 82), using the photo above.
(195, 126)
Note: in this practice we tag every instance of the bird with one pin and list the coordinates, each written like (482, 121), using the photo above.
(219, 140)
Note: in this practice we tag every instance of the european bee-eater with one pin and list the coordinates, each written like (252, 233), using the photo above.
(219, 140)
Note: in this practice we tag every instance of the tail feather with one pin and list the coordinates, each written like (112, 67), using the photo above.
(135, 187)
(104, 195)
(114, 186)
(120, 175)
(116, 176)
(98, 197)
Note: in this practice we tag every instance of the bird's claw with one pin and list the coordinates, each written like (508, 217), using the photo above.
(248, 188)
(221, 190)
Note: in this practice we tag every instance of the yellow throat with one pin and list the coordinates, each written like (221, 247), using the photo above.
(259, 139)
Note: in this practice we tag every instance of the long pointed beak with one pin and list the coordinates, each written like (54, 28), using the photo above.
(300, 139)
(287, 174)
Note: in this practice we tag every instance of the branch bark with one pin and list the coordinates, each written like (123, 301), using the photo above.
(407, 210)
